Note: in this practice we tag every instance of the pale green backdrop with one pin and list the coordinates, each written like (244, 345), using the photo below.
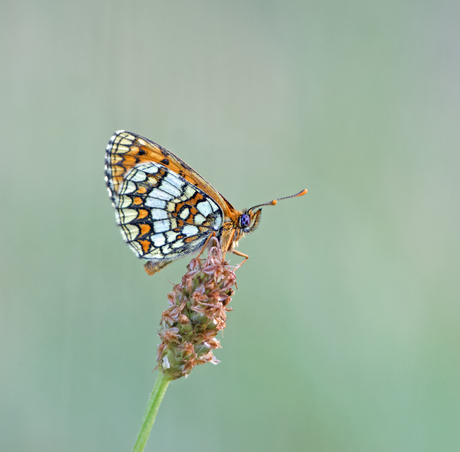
(345, 331)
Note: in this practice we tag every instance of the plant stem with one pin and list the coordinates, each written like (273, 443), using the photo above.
(155, 399)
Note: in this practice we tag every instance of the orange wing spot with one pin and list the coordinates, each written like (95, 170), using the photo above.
(142, 190)
(142, 214)
(193, 210)
(117, 170)
(130, 161)
(178, 207)
(190, 239)
(145, 245)
(145, 228)
(161, 173)
(137, 201)
(180, 236)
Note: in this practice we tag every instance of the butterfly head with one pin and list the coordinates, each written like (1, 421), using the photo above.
(249, 220)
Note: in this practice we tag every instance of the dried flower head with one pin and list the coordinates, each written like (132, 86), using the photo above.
(198, 311)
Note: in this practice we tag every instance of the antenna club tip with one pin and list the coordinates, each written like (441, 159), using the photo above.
(275, 201)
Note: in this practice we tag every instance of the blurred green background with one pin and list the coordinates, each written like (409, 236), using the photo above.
(345, 330)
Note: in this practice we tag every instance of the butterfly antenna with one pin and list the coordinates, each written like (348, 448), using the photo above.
(275, 201)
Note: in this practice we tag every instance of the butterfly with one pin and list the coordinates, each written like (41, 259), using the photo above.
(165, 209)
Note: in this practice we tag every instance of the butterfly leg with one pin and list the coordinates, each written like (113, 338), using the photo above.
(206, 243)
(238, 253)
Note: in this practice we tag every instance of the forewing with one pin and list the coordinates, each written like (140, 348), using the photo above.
(126, 150)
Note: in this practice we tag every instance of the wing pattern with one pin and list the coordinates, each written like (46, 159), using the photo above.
(161, 205)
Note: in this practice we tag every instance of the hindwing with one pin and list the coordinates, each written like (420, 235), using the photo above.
(162, 216)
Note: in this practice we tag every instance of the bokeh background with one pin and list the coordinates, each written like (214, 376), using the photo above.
(345, 329)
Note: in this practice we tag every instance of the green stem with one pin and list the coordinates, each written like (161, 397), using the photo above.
(156, 397)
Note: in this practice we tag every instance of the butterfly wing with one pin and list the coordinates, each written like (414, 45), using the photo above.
(126, 150)
(162, 216)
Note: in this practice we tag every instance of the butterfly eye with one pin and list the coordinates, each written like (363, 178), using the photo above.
(245, 220)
